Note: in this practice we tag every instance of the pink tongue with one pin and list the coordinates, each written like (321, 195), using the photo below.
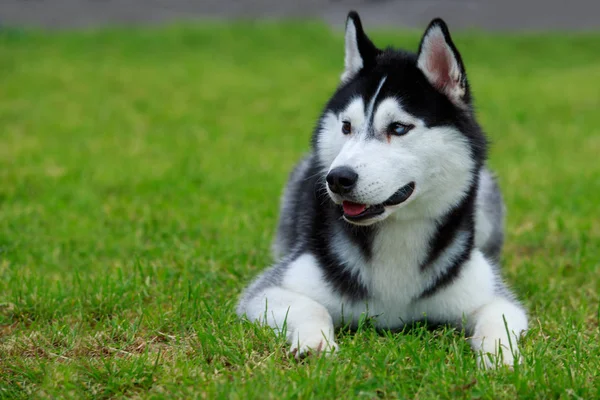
(353, 209)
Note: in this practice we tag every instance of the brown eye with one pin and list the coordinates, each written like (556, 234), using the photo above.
(346, 127)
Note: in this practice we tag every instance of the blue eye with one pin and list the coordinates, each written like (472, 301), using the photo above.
(398, 129)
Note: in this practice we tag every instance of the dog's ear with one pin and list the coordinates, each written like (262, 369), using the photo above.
(360, 51)
(442, 65)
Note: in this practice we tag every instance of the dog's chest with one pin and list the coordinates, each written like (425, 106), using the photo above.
(393, 275)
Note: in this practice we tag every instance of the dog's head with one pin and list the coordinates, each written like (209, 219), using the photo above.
(399, 136)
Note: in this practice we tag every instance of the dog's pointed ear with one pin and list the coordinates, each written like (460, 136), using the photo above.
(360, 51)
(442, 65)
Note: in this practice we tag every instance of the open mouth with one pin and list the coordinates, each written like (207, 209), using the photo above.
(358, 212)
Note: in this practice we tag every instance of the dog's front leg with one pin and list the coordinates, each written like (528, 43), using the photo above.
(308, 324)
(495, 329)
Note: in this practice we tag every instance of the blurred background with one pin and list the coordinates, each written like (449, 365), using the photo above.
(144, 145)
(500, 15)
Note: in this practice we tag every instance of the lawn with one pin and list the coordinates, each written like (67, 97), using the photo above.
(140, 173)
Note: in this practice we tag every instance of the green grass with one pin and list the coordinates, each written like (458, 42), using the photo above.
(140, 172)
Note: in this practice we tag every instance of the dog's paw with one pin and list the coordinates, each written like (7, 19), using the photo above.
(494, 360)
(314, 345)
(497, 327)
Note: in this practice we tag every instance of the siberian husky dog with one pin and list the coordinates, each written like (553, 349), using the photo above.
(393, 214)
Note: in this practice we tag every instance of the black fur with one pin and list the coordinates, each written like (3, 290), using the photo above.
(327, 217)
(459, 219)
(406, 82)
(310, 222)
(409, 85)
(318, 218)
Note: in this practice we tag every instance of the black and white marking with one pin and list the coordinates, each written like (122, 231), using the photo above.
(393, 212)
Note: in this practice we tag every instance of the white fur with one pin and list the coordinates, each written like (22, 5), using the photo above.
(496, 328)
(331, 139)
(353, 61)
(438, 160)
(288, 309)
(355, 261)
(373, 99)
(308, 308)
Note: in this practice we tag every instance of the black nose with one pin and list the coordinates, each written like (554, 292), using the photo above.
(341, 180)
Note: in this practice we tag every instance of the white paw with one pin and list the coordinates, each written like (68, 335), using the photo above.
(496, 331)
(498, 359)
(316, 344)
